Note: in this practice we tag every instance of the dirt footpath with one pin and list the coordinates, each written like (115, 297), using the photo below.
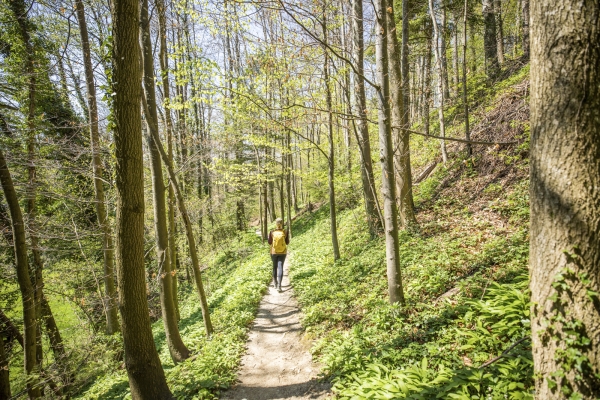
(278, 364)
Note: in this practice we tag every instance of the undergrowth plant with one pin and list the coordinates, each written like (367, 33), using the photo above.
(464, 331)
(236, 280)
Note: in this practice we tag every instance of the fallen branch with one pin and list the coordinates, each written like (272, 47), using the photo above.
(454, 139)
(505, 352)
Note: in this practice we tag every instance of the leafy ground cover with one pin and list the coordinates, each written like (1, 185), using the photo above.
(464, 331)
(236, 281)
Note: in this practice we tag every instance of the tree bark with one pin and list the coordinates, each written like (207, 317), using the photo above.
(444, 57)
(464, 81)
(24, 280)
(499, 31)
(525, 28)
(331, 157)
(364, 143)
(490, 45)
(187, 223)
(110, 295)
(565, 201)
(177, 348)
(386, 156)
(438, 61)
(146, 376)
(427, 80)
(399, 122)
(4, 371)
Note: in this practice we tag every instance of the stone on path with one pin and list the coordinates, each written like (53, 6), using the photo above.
(278, 364)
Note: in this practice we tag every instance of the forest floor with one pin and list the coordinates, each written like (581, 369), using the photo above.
(278, 363)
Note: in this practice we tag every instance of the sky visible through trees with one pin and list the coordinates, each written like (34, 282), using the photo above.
(140, 139)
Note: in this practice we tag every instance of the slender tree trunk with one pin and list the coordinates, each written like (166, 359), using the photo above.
(455, 57)
(386, 155)
(444, 57)
(427, 80)
(177, 348)
(23, 278)
(464, 81)
(525, 27)
(166, 87)
(399, 123)
(187, 223)
(331, 157)
(110, 292)
(499, 31)
(565, 201)
(364, 144)
(404, 63)
(4, 372)
(441, 90)
(490, 45)
(146, 376)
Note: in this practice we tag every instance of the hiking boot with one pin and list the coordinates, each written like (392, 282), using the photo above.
(279, 288)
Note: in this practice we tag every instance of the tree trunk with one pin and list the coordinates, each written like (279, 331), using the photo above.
(146, 376)
(441, 91)
(23, 278)
(444, 57)
(464, 83)
(525, 27)
(110, 295)
(565, 201)
(399, 123)
(177, 348)
(499, 31)
(490, 45)
(4, 372)
(456, 74)
(386, 155)
(166, 87)
(427, 80)
(187, 223)
(331, 157)
(364, 144)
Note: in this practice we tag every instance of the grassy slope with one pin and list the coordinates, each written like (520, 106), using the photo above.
(236, 282)
(465, 277)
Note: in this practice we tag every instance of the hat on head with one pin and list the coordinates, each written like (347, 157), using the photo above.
(279, 221)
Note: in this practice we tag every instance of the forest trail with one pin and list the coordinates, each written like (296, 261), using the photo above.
(278, 364)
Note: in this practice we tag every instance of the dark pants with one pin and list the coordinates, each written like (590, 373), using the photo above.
(278, 260)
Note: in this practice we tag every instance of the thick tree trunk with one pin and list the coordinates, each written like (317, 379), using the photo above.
(24, 280)
(441, 91)
(364, 144)
(490, 45)
(177, 348)
(386, 155)
(565, 201)
(399, 123)
(110, 291)
(525, 27)
(146, 376)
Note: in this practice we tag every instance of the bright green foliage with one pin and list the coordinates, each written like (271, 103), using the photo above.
(236, 281)
(435, 346)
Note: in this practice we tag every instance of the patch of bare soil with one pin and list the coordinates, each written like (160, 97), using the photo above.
(278, 364)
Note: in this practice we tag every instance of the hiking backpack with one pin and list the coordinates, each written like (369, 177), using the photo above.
(279, 246)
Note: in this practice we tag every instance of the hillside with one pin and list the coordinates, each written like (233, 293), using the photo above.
(465, 277)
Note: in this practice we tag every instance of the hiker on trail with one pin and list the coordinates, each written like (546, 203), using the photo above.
(278, 240)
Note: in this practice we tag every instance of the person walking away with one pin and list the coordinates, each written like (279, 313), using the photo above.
(278, 240)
